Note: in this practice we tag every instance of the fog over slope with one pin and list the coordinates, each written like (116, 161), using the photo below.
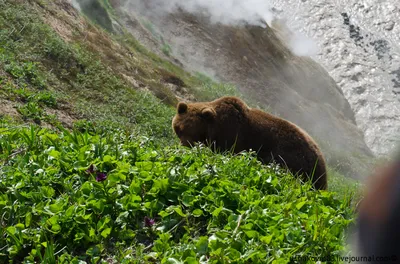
(228, 12)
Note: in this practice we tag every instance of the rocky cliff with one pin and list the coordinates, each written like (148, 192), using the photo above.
(359, 46)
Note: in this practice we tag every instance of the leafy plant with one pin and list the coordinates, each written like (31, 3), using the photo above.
(26, 72)
(97, 194)
(31, 110)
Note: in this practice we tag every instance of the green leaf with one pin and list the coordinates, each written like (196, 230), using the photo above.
(116, 177)
(251, 233)
(103, 223)
(300, 205)
(197, 212)
(94, 251)
(56, 208)
(47, 191)
(164, 214)
(106, 232)
(87, 188)
(191, 260)
(79, 236)
(11, 230)
(108, 158)
(128, 234)
(217, 211)
(188, 199)
(53, 220)
(174, 261)
(97, 205)
(160, 186)
(131, 201)
(92, 232)
(54, 154)
(28, 219)
(56, 228)
(144, 165)
(266, 239)
(202, 245)
(70, 211)
(178, 210)
(82, 218)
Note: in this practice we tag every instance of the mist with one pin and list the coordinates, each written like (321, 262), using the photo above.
(75, 4)
(229, 12)
(219, 11)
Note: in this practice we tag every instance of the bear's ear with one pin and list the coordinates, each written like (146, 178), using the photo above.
(208, 113)
(182, 108)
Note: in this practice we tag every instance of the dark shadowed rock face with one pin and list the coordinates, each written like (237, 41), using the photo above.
(255, 60)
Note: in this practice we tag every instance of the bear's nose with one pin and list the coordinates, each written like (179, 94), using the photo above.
(185, 143)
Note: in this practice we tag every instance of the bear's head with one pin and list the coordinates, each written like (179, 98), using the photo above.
(192, 122)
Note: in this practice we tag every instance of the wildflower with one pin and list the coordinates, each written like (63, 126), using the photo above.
(101, 176)
(148, 222)
(91, 169)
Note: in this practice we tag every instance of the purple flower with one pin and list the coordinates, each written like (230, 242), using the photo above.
(101, 176)
(148, 222)
(90, 170)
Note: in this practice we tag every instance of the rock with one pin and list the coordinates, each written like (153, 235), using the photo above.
(389, 26)
(367, 31)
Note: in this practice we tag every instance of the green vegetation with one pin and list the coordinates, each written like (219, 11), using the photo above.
(344, 187)
(97, 11)
(51, 70)
(109, 194)
(210, 90)
(150, 27)
(166, 49)
(110, 185)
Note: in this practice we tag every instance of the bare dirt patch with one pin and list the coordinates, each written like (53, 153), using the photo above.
(64, 23)
(8, 108)
(66, 119)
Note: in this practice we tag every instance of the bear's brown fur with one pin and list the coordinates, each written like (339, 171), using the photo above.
(229, 124)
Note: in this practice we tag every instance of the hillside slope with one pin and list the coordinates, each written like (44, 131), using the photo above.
(256, 60)
(252, 58)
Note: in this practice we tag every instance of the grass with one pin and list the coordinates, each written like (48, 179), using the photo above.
(51, 70)
(114, 187)
(344, 187)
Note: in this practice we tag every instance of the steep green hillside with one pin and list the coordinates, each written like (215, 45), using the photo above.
(101, 195)
(84, 73)
(90, 171)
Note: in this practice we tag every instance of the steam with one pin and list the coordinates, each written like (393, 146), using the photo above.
(301, 45)
(75, 4)
(230, 12)
(221, 11)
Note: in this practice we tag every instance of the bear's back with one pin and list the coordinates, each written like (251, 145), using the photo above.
(287, 144)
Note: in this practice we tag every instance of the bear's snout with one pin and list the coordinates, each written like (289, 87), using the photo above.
(185, 142)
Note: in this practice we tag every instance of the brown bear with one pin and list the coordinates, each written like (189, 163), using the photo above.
(229, 124)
